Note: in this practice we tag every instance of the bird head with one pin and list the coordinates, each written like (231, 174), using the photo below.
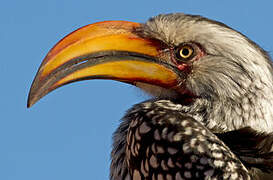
(173, 56)
(223, 64)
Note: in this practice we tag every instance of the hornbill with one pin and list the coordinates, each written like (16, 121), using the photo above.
(210, 116)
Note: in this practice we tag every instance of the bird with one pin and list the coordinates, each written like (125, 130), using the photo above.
(210, 113)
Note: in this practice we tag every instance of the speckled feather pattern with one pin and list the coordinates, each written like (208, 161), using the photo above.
(162, 143)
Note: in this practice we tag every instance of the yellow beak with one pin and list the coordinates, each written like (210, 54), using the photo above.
(104, 50)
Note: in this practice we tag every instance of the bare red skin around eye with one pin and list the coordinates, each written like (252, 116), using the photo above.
(182, 66)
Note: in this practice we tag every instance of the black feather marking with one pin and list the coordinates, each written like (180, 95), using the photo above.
(255, 149)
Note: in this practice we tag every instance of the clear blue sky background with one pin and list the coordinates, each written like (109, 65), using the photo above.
(67, 135)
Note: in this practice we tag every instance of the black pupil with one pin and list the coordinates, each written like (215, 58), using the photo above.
(185, 51)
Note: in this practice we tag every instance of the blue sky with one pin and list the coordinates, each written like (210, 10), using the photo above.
(67, 135)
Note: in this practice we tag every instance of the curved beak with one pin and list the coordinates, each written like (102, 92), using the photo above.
(104, 50)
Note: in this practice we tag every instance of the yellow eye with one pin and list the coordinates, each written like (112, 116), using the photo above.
(184, 52)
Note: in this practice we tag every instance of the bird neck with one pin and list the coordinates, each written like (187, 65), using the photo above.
(253, 109)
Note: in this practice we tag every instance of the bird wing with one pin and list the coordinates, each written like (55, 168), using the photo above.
(160, 143)
(254, 149)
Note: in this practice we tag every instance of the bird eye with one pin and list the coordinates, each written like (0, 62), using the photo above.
(184, 52)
